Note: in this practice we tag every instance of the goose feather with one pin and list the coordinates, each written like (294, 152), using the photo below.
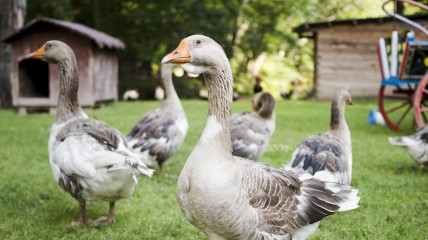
(229, 197)
(160, 133)
(416, 145)
(251, 131)
(89, 159)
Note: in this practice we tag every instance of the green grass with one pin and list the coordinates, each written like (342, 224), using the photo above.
(393, 190)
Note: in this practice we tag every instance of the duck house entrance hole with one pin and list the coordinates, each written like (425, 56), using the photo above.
(33, 78)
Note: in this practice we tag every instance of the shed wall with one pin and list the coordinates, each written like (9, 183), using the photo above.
(105, 73)
(347, 54)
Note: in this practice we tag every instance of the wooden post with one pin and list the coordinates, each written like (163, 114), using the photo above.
(13, 15)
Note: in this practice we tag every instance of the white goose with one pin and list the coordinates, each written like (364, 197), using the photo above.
(160, 133)
(251, 131)
(131, 95)
(416, 144)
(228, 197)
(89, 159)
(328, 156)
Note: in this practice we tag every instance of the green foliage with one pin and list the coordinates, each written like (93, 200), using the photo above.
(248, 30)
(394, 200)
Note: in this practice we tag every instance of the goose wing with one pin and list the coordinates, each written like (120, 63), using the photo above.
(250, 135)
(285, 202)
(85, 145)
(159, 132)
(319, 153)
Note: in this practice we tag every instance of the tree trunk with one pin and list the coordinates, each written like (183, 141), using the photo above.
(12, 18)
(240, 28)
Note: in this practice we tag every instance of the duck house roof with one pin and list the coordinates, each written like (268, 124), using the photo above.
(101, 39)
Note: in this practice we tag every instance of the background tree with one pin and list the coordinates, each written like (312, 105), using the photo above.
(256, 34)
(12, 15)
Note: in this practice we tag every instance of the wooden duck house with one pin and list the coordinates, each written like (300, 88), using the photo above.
(35, 83)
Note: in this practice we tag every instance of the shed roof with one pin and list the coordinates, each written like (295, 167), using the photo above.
(310, 27)
(102, 40)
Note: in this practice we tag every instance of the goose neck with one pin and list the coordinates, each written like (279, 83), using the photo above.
(337, 120)
(68, 104)
(219, 84)
(170, 93)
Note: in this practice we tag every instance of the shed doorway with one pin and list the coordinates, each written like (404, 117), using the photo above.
(33, 79)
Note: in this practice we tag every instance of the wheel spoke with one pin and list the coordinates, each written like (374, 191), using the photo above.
(395, 104)
(424, 116)
(404, 115)
(391, 110)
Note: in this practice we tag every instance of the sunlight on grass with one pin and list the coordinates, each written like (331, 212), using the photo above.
(393, 190)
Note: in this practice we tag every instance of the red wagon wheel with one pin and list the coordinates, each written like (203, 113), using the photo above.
(420, 105)
(395, 105)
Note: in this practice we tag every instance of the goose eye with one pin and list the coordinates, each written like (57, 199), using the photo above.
(198, 42)
(48, 45)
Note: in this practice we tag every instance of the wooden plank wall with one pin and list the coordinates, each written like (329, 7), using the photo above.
(347, 54)
(105, 74)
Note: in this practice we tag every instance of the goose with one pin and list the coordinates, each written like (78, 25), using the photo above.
(327, 155)
(89, 159)
(416, 144)
(285, 94)
(330, 151)
(159, 93)
(229, 197)
(131, 95)
(251, 131)
(160, 133)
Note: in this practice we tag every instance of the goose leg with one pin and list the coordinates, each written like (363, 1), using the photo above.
(110, 218)
(82, 206)
(160, 167)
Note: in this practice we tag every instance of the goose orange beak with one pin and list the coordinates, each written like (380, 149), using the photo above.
(180, 55)
(38, 54)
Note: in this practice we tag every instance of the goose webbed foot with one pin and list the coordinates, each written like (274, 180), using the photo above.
(110, 218)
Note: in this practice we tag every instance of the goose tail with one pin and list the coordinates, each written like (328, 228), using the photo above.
(322, 198)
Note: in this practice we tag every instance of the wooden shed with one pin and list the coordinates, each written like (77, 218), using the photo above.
(346, 52)
(35, 83)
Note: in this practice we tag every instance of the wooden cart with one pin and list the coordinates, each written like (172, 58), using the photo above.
(403, 61)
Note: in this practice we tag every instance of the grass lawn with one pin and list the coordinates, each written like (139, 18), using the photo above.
(393, 190)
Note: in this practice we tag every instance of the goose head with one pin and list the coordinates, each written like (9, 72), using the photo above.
(53, 51)
(198, 54)
(263, 104)
(341, 97)
(343, 94)
(57, 52)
